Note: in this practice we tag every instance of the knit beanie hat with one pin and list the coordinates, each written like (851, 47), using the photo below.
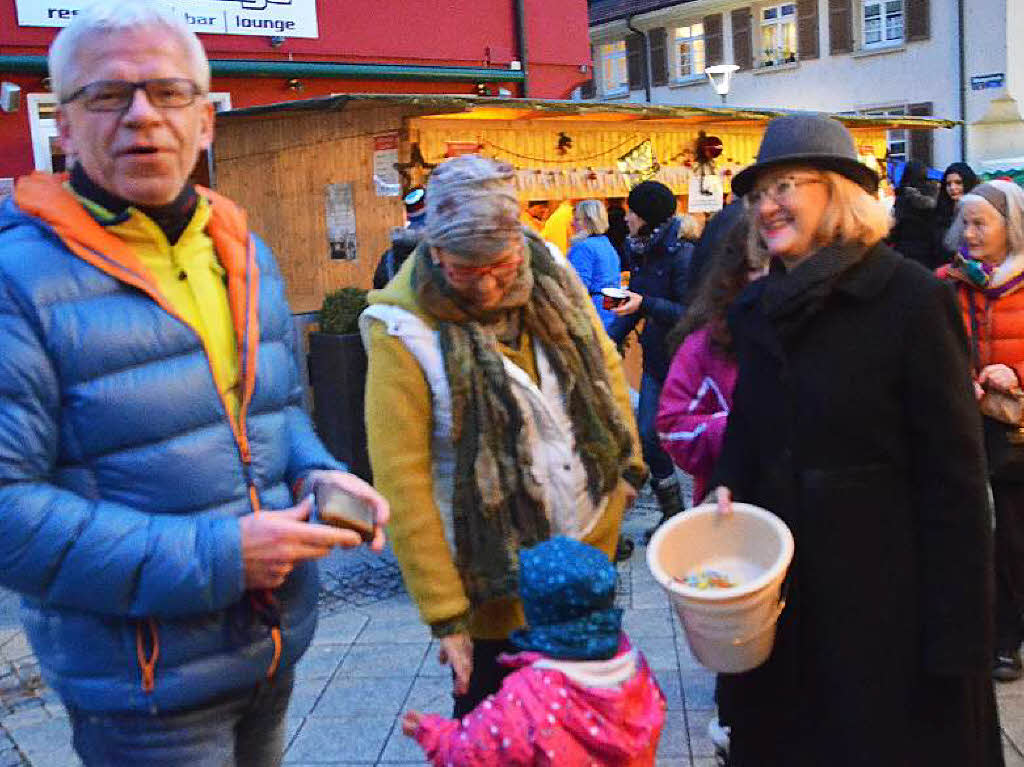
(653, 202)
(568, 593)
(472, 209)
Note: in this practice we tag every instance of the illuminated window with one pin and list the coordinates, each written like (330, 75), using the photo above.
(778, 34)
(614, 72)
(689, 47)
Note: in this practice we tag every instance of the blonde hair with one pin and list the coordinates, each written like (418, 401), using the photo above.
(106, 17)
(1014, 218)
(852, 215)
(689, 227)
(593, 215)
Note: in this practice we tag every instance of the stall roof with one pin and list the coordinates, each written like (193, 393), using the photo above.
(491, 108)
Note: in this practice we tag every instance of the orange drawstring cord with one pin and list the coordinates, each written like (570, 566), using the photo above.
(265, 604)
(147, 665)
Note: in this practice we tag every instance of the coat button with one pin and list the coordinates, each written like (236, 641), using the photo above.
(566, 466)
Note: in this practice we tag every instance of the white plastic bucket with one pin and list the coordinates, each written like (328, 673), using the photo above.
(729, 629)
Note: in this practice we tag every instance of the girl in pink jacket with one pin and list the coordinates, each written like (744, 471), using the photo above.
(697, 394)
(581, 694)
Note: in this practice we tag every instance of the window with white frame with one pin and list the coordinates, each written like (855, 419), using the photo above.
(882, 22)
(689, 51)
(897, 141)
(778, 34)
(614, 70)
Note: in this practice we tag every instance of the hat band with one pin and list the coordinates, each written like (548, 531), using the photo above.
(994, 197)
(592, 637)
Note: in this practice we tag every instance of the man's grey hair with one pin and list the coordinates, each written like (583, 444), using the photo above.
(105, 17)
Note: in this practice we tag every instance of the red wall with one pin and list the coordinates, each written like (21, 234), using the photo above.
(427, 32)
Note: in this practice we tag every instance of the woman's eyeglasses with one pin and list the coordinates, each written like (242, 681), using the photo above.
(500, 271)
(778, 191)
(117, 95)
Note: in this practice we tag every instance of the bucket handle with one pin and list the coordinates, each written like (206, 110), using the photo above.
(771, 620)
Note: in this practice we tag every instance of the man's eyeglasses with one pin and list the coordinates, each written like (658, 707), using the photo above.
(779, 191)
(117, 95)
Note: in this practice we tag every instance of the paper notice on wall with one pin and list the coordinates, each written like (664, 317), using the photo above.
(341, 222)
(284, 18)
(705, 194)
(386, 178)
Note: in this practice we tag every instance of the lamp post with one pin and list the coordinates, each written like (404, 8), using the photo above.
(720, 77)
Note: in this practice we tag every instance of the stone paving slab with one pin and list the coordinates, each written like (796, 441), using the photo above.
(372, 659)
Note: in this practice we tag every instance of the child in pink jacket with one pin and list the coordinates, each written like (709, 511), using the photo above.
(697, 394)
(581, 694)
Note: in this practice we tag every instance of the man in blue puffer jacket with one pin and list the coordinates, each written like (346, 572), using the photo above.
(150, 420)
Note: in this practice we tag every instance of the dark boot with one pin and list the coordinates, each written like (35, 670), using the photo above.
(623, 549)
(669, 500)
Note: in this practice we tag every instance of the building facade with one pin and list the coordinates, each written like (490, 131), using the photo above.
(946, 58)
(267, 51)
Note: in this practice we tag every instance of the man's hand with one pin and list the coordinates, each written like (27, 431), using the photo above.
(457, 651)
(352, 485)
(630, 305)
(273, 541)
(411, 723)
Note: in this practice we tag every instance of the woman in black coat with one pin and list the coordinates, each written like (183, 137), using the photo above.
(913, 231)
(854, 420)
(659, 260)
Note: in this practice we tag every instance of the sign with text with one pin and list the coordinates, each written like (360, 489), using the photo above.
(284, 18)
(385, 156)
(982, 82)
(705, 194)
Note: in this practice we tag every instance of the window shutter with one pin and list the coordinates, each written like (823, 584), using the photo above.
(917, 21)
(742, 53)
(635, 61)
(659, 63)
(713, 39)
(589, 89)
(807, 29)
(840, 26)
(921, 140)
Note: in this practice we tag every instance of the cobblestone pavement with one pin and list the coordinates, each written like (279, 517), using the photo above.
(372, 659)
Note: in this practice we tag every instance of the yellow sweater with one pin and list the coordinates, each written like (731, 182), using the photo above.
(399, 425)
(191, 278)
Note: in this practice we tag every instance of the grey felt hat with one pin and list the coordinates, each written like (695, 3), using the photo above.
(811, 140)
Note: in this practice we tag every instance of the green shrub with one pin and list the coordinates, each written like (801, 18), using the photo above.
(341, 309)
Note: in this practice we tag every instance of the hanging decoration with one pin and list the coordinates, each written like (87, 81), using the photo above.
(639, 163)
(564, 144)
(415, 172)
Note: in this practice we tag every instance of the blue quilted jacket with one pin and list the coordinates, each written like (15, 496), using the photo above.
(121, 476)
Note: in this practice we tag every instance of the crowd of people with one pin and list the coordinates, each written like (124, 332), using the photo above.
(857, 372)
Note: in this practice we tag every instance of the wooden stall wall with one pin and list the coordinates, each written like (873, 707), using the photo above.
(277, 168)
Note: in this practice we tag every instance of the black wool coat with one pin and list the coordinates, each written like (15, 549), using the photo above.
(860, 430)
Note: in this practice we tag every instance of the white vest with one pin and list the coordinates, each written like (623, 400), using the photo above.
(556, 468)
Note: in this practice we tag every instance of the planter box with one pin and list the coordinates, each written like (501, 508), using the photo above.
(337, 373)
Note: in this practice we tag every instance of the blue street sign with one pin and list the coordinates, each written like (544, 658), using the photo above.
(994, 80)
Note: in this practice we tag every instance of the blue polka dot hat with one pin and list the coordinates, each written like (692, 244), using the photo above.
(568, 593)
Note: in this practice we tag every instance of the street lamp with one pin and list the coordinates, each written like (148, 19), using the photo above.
(720, 77)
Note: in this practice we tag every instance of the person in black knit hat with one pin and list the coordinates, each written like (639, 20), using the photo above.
(658, 267)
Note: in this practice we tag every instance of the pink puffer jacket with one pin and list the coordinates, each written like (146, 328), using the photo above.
(570, 713)
(695, 402)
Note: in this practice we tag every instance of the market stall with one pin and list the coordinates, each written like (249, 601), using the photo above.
(322, 178)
